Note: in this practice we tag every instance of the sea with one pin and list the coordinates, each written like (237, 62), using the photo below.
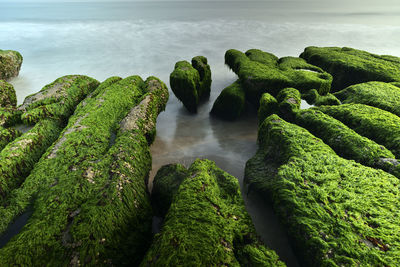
(103, 39)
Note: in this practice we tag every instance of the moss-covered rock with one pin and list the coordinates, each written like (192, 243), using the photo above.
(350, 66)
(261, 72)
(346, 142)
(231, 103)
(268, 106)
(7, 135)
(191, 83)
(8, 98)
(88, 192)
(314, 98)
(58, 99)
(9, 116)
(207, 224)
(165, 185)
(373, 123)
(337, 212)
(204, 70)
(289, 100)
(382, 95)
(10, 64)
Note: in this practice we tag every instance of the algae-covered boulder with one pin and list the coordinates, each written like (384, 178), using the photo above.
(8, 98)
(337, 212)
(9, 116)
(7, 135)
(382, 95)
(191, 83)
(350, 66)
(58, 99)
(262, 72)
(314, 98)
(88, 192)
(207, 223)
(230, 104)
(10, 64)
(373, 123)
(346, 142)
(268, 106)
(289, 100)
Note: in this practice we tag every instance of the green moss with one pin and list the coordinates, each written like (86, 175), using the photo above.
(58, 99)
(207, 225)
(346, 142)
(337, 212)
(314, 98)
(8, 98)
(377, 94)
(268, 106)
(7, 135)
(204, 70)
(10, 64)
(289, 100)
(90, 204)
(259, 74)
(9, 116)
(18, 157)
(350, 66)
(373, 123)
(165, 185)
(230, 104)
(184, 81)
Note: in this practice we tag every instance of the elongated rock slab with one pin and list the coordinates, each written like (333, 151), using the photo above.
(207, 223)
(337, 212)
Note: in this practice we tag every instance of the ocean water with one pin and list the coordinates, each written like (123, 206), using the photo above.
(147, 38)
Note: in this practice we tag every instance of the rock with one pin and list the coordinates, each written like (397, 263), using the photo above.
(289, 100)
(9, 116)
(262, 72)
(207, 223)
(268, 106)
(373, 123)
(7, 135)
(350, 66)
(58, 99)
(337, 212)
(89, 194)
(230, 104)
(10, 64)
(8, 98)
(191, 83)
(314, 98)
(382, 95)
(346, 142)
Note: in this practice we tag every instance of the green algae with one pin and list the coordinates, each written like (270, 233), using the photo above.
(8, 98)
(268, 106)
(314, 98)
(58, 99)
(382, 95)
(346, 142)
(260, 73)
(289, 100)
(9, 116)
(350, 66)
(373, 123)
(7, 135)
(337, 212)
(207, 224)
(10, 64)
(231, 103)
(91, 197)
(191, 83)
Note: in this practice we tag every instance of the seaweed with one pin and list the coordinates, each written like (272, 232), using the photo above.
(8, 98)
(230, 104)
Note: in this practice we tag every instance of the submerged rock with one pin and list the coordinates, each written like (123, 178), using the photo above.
(207, 223)
(382, 95)
(262, 72)
(230, 104)
(8, 98)
(350, 66)
(337, 212)
(89, 198)
(10, 64)
(191, 83)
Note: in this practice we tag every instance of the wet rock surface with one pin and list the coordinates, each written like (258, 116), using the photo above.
(10, 64)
